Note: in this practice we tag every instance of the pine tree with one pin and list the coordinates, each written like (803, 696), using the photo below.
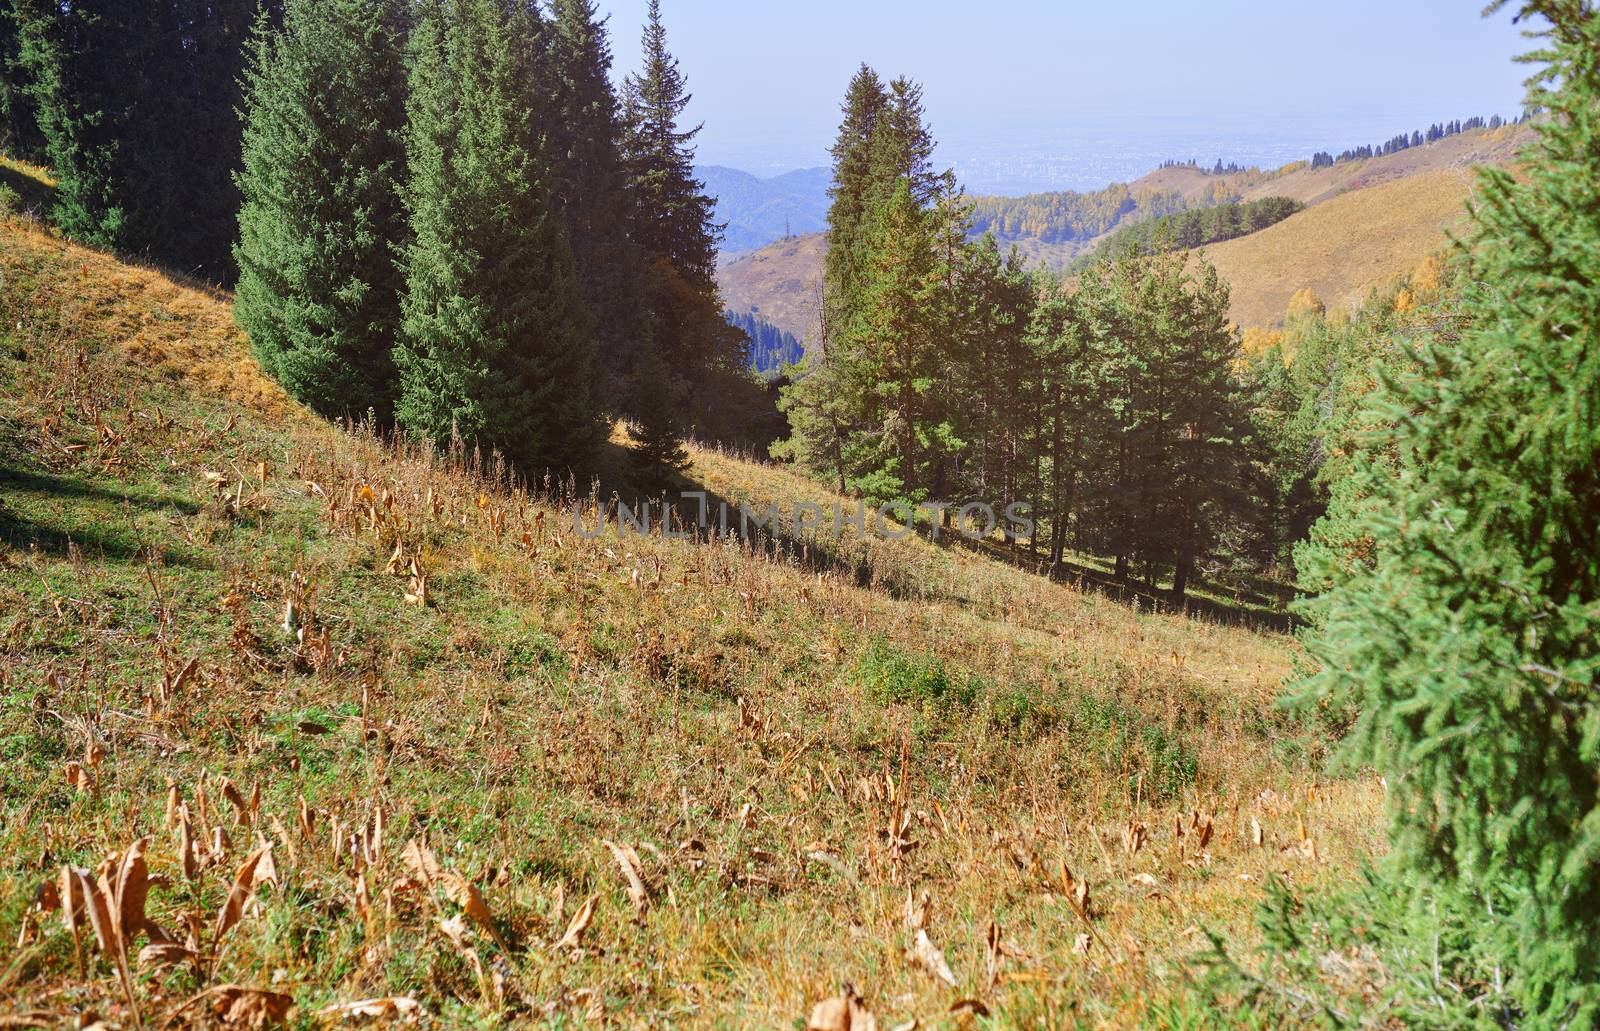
(583, 126)
(1468, 637)
(492, 347)
(135, 100)
(322, 222)
(698, 361)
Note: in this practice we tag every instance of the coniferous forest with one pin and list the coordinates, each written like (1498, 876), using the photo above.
(1273, 701)
(443, 214)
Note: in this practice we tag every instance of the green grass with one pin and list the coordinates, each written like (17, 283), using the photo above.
(789, 747)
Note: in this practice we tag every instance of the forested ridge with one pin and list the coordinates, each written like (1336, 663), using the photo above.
(1186, 230)
(444, 227)
(441, 212)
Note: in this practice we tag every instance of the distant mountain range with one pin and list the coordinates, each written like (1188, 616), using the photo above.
(1365, 221)
(762, 211)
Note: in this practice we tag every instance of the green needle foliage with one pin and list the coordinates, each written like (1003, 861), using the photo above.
(495, 344)
(135, 102)
(319, 288)
(1469, 640)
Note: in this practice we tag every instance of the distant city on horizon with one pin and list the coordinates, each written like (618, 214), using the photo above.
(1090, 152)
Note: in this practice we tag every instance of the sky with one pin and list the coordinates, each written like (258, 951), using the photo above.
(1033, 89)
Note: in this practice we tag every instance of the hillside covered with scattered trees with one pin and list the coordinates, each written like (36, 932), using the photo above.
(418, 601)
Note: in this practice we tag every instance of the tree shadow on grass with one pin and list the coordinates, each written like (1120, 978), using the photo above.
(34, 196)
(93, 535)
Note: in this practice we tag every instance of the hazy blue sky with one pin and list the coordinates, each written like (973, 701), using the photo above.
(1019, 80)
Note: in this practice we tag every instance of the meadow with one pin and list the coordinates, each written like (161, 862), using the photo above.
(301, 723)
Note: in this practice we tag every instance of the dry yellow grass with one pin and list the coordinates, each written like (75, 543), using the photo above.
(779, 282)
(1342, 248)
(180, 331)
(741, 719)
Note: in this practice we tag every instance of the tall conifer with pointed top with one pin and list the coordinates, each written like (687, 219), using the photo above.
(493, 346)
(322, 222)
(864, 104)
(697, 363)
(581, 117)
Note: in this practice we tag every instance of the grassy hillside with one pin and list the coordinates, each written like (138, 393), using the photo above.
(780, 282)
(507, 773)
(1343, 247)
(1340, 254)
(1314, 185)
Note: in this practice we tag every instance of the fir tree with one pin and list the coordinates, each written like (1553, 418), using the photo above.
(19, 127)
(1467, 637)
(674, 217)
(864, 104)
(319, 287)
(492, 347)
(136, 104)
(698, 362)
(583, 126)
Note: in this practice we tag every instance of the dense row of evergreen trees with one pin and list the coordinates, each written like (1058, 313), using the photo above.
(439, 211)
(771, 348)
(1416, 138)
(133, 104)
(1195, 227)
(947, 374)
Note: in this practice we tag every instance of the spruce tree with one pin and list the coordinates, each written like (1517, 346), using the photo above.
(581, 117)
(492, 347)
(75, 58)
(864, 104)
(19, 127)
(674, 216)
(703, 358)
(1468, 637)
(322, 222)
(900, 328)
(135, 101)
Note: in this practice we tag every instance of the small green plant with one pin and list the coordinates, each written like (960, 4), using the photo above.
(891, 676)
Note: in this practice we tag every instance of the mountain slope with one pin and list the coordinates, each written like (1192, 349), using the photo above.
(760, 211)
(1386, 213)
(781, 282)
(1342, 248)
(1311, 186)
(645, 781)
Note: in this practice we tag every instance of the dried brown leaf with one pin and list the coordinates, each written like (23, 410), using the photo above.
(167, 954)
(580, 923)
(243, 890)
(632, 872)
(931, 960)
(420, 862)
(235, 1006)
(132, 891)
(98, 908)
(845, 1012)
(397, 1007)
(466, 895)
